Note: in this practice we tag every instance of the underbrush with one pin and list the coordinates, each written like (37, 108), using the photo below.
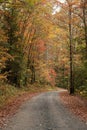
(7, 92)
(82, 91)
(39, 88)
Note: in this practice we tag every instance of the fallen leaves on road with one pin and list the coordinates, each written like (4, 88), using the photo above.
(14, 103)
(10, 108)
(77, 104)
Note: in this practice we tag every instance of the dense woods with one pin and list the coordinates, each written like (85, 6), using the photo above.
(44, 42)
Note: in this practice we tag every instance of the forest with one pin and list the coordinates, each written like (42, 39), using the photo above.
(43, 42)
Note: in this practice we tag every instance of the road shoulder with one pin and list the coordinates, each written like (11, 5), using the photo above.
(76, 105)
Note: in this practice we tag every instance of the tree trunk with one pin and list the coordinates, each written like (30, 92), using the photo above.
(33, 74)
(84, 21)
(70, 42)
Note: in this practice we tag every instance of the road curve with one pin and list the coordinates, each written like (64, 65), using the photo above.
(45, 112)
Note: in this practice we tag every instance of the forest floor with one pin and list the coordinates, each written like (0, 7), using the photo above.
(76, 104)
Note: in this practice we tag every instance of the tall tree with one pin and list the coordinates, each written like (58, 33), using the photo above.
(11, 31)
(70, 42)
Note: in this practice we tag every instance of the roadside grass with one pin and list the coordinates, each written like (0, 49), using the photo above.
(8, 92)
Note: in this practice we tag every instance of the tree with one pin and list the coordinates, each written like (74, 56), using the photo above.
(13, 37)
(70, 42)
(4, 56)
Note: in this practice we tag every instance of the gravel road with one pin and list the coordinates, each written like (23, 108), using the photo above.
(45, 112)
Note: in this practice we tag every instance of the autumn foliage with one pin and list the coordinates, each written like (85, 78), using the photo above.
(45, 42)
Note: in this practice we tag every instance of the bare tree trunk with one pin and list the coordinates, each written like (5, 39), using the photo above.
(70, 41)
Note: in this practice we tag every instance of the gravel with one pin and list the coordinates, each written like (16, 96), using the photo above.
(45, 112)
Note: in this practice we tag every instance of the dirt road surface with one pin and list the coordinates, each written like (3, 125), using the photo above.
(45, 112)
